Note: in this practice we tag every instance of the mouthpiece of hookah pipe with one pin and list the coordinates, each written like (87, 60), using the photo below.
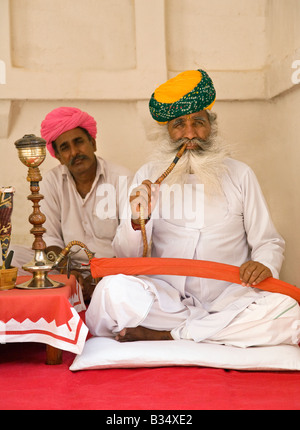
(158, 182)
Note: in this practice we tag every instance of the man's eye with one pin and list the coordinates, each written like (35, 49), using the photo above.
(178, 124)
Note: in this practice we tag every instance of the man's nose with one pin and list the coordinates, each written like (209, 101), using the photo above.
(73, 150)
(189, 130)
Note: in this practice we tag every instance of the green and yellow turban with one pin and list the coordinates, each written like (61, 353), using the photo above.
(188, 92)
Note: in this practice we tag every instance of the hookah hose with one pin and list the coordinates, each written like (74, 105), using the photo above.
(158, 182)
(64, 252)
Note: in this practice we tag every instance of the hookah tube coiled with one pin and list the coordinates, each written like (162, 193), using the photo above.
(158, 182)
(64, 252)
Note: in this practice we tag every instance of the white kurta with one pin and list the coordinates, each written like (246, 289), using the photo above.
(235, 227)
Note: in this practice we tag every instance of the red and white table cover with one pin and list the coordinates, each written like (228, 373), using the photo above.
(48, 316)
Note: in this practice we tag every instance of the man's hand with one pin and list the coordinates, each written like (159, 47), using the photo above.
(253, 272)
(145, 196)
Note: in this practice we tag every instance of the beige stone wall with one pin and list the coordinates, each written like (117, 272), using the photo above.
(107, 57)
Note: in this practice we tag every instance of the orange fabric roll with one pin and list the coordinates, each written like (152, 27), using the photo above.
(183, 267)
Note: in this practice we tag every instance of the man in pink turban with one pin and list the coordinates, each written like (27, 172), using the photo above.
(64, 119)
(81, 195)
(70, 137)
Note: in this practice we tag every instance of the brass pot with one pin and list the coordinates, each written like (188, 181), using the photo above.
(8, 278)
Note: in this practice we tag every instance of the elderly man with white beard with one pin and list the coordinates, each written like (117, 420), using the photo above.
(231, 224)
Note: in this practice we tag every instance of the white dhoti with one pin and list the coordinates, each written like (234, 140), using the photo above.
(254, 318)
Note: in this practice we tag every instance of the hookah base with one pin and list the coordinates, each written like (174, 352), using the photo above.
(39, 283)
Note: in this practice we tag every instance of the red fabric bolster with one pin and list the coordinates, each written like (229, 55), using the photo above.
(183, 267)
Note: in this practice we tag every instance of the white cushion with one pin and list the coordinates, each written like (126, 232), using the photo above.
(106, 353)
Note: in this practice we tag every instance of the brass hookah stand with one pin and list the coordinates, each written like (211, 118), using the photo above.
(32, 152)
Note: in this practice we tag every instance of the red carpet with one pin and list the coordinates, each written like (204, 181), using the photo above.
(28, 383)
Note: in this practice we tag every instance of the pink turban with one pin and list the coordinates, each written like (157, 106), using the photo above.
(64, 119)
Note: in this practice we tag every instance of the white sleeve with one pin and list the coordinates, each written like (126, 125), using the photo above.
(51, 208)
(128, 242)
(266, 245)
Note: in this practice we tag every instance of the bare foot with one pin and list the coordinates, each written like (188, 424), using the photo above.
(131, 334)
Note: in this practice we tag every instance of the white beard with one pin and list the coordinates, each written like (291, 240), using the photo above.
(206, 164)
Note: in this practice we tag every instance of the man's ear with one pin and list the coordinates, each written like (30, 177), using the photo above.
(94, 144)
(57, 156)
(56, 152)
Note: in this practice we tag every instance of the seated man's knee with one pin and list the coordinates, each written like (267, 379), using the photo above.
(110, 288)
(120, 290)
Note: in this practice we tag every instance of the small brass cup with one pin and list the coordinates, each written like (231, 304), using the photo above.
(8, 278)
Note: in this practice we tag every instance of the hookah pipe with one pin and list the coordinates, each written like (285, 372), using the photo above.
(65, 252)
(57, 259)
(51, 255)
(158, 182)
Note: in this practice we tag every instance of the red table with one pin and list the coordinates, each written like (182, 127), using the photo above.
(48, 316)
